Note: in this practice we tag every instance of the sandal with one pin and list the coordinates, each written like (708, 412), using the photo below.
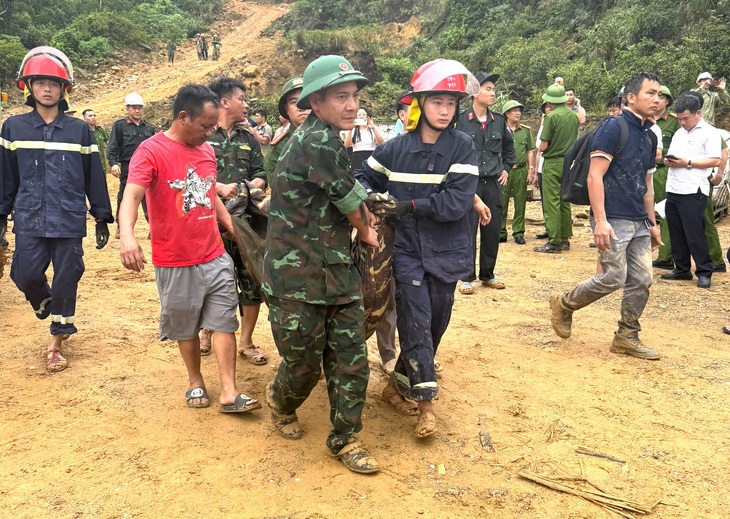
(437, 367)
(401, 404)
(241, 404)
(254, 356)
(466, 288)
(197, 393)
(286, 424)
(205, 336)
(55, 361)
(357, 459)
(426, 425)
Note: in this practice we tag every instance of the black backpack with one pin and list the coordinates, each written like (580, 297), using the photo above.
(577, 162)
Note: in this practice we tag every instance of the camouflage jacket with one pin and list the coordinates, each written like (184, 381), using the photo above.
(238, 157)
(272, 156)
(308, 254)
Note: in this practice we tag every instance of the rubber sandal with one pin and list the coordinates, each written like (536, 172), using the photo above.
(254, 356)
(205, 336)
(285, 424)
(197, 393)
(55, 361)
(241, 404)
(426, 425)
(466, 288)
(357, 459)
(401, 404)
(437, 366)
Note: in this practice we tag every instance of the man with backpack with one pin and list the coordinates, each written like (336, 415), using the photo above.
(622, 217)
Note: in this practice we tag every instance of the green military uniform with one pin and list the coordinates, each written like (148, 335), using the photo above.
(275, 149)
(101, 138)
(560, 131)
(238, 157)
(313, 286)
(517, 182)
(711, 102)
(668, 124)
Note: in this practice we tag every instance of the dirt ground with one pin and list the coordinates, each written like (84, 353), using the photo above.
(111, 436)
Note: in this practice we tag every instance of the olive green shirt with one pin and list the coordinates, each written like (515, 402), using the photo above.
(560, 130)
(669, 125)
(308, 253)
(272, 156)
(238, 156)
(524, 143)
(101, 138)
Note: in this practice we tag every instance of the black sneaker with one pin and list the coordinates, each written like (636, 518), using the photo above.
(719, 268)
(542, 236)
(565, 245)
(549, 248)
(662, 264)
(520, 240)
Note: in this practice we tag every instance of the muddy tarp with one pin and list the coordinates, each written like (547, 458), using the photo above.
(249, 212)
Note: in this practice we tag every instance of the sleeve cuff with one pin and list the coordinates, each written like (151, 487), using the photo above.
(352, 200)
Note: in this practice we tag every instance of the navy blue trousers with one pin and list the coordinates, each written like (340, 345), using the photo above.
(31, 259)
(423, 314)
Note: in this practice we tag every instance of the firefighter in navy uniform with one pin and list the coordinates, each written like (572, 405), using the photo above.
(432, 172)
(50, 166)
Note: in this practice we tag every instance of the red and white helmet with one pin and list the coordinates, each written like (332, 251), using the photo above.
(46, 62)
(444, 75)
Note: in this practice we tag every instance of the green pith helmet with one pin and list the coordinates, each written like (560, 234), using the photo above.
(555, 94)
(509, 105)
(668, 93)
(292, 84)
(325, 72)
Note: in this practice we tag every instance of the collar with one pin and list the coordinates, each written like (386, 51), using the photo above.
(700, 125)
(630, 116)
(442, 145)
(472, 116)
(130, 121)
(38, 120)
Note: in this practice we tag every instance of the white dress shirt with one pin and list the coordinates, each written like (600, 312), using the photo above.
(701, 142)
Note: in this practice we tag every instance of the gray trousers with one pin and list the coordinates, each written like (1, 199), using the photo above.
(385, 331)
(627, 265)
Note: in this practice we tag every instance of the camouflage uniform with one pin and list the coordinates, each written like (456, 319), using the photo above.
(238, 158)
(275, 150)
(314, 293)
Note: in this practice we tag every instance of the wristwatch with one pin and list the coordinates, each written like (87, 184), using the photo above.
(689, 164)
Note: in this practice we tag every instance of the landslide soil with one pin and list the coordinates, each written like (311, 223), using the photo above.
(111, 436)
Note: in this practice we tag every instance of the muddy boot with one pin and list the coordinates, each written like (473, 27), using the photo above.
(357, 459)
(632, 346)
(560, 317)
(286, 424)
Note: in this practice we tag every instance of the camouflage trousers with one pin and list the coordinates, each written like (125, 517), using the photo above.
(308, 336)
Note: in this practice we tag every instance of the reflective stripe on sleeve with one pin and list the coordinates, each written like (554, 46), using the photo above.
(468, 169)
(49, 146)
(377, 166)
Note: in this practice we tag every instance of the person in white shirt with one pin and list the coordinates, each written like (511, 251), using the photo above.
(363, 138)
(694, 151)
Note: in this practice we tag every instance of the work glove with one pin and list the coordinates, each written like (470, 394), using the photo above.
(102, 234)
(385, 206)
(3, 228)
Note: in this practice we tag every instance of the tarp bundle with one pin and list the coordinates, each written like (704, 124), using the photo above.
(249, 213)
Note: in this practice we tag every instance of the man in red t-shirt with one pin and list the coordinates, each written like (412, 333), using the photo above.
(177, 172)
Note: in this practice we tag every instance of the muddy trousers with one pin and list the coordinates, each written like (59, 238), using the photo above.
(490, 191)
(557, 214)
(423, 313)
(385, 331)
(517, 189)
(31, 259)
(627, 265)
(308, 336)
(686, 220)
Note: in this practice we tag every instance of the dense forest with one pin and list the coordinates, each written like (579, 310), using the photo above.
(594, 44)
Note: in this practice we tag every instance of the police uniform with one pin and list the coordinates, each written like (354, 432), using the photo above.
(48, 172)
(560, 130)
(495, 153)
(124, 140)
(517, 182)
(312, 284)
(668, 124)
(433, 244)
(101, 138)
(238, 157)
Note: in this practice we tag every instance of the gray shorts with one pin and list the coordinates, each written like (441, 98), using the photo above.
(200, 296)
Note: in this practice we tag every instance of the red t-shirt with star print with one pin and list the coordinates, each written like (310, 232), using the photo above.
(180, 184)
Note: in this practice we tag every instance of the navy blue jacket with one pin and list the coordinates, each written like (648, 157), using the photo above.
(441, 180)
(47, 171)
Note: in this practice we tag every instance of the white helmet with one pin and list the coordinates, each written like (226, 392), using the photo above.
(133, 99)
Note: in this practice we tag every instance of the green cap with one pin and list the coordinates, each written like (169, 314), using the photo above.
(555, 94)
(668, 93)
(509, 105)
(292, 84)
(327, 71)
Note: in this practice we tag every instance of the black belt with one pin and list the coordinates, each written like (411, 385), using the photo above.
(520, 165)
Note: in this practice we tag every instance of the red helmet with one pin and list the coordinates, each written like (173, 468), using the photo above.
(444, 75)
(46, 62)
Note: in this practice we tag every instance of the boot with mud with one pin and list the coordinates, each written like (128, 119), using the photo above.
(286, 424)
(632, 346)
(560, 317)
(356, 458)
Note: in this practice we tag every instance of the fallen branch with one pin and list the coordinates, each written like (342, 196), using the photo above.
(588, 452)
(618, 505)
